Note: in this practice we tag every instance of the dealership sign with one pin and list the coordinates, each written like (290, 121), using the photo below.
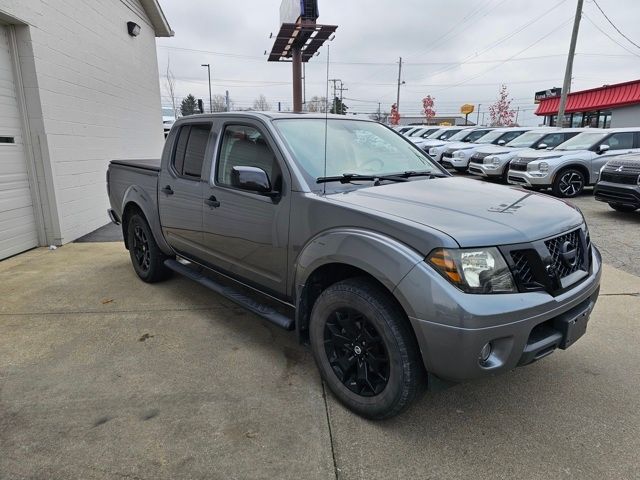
(293, 10)
(466, 109)
(544, 94)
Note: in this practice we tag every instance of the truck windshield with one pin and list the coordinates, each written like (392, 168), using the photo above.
(526, 139)
(582, 141)
(352, 146)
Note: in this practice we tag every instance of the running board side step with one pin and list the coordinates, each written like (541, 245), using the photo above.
(254, 306)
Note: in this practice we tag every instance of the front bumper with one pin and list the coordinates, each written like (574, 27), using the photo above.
(617, 193)
(489, 171)
(516, 177)
(452, 327)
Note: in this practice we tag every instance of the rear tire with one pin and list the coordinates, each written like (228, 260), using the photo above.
(365, 349)
(569, 183)
(623, 208)
(146, 256)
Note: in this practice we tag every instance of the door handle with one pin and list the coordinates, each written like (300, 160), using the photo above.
(167, 190)
(212, 201)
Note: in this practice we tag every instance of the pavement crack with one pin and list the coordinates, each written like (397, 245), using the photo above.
(326, 410)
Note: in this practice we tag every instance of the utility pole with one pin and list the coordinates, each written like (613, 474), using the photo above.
(478, 114)
(566, 85)
(227, 101)
(483, 118)
(379, 112)
(333, 100)
(399, 83)
(517, 113)
(210, 97)
(342, 89)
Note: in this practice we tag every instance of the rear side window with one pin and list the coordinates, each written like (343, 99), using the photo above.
(620, 141)
(190, 148)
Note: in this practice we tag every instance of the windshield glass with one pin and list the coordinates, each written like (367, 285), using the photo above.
(416, 132)
(526, 139)
(461, 135)
(490, 137)
(476, 135)
(428, 133)
(353, 146)
(437, 133)
(447, 134)
(582, 141)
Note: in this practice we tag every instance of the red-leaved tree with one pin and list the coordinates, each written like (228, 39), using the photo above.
(428, 104)
(394, 117)
(501, 113)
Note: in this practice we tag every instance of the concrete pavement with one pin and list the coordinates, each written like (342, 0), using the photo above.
(103, 376)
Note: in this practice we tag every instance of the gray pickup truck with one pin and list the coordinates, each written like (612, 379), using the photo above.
(396, 274)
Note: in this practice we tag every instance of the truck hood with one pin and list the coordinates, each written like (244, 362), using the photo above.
(473, 213)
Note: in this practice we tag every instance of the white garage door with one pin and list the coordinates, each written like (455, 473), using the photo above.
(17, 222)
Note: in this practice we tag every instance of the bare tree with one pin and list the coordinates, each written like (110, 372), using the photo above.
(260, 104)
(317, 104)
(219, 103)
(170, 86)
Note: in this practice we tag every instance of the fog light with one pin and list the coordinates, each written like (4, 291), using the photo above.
(485, 353)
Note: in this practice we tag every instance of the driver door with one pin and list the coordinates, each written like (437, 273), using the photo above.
(246, 233)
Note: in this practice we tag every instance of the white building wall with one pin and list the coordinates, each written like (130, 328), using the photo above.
(626, 117)
(92, 95)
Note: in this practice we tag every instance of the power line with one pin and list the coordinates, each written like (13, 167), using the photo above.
(609, 36)
(613, 25)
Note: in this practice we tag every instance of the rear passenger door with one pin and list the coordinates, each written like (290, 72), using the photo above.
(180, 188)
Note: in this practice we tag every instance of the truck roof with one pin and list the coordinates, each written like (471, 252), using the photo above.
(277, 115)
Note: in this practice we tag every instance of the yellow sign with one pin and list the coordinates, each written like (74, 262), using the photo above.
(445, 124)
(467, 109)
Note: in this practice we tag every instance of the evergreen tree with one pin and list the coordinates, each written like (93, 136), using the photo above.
(189, 106)
(338, 107)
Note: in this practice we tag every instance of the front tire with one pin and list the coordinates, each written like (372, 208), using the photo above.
(569, 183)
(364, 348)
(623, 208)
(146, 256)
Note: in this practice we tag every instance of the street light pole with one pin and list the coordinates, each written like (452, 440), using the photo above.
(210, 97)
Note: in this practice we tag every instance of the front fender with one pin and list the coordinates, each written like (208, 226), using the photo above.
(136, 195)
(383, 257)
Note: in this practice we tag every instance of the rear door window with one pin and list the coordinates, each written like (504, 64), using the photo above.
(189, 153)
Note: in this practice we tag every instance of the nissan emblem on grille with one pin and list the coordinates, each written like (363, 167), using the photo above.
(569, 254)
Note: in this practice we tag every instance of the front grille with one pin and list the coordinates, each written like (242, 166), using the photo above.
(516, 179)
(548, 264)
(628, 167)
(522, 267)
(555, 246)
(478, 157)
(518, 167)
(624, 179)
(447, 154)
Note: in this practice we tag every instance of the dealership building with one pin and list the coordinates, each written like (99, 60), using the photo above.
(603, 107)
(78, 87)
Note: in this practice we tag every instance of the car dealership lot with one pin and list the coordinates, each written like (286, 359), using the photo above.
(104, 376)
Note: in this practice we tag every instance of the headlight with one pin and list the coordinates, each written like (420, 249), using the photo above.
(474, 270)
(543, 167)
(433, 152)
(459, 154)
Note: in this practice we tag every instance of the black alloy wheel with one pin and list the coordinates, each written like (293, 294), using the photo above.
(141, 248)
(356, 352)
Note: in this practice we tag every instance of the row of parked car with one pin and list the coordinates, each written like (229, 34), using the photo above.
(565, 160)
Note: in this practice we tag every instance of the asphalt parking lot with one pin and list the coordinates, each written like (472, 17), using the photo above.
(103, 376)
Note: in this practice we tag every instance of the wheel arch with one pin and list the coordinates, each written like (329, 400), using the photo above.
(337, 255)
(136, 200)
(576, 166)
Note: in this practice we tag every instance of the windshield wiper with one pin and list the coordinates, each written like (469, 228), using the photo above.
(395, 177)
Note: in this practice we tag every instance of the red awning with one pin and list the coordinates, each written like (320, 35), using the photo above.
(610, 96)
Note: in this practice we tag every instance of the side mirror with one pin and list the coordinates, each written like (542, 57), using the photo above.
(253, 179)
(501, 142)
(542, 146)
(603, 148)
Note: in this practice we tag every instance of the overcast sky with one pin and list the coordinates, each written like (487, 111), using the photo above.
(458, 51)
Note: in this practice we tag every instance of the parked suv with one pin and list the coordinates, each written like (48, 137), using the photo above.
(439, 138)
(468, 135)
(574, 164)
(619, 183)
(492, 161)
(457, 155)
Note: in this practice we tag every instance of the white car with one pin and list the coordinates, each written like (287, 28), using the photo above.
(492, 161)
(439, 137)
(574, 164)
(468, 135)
(457, 155)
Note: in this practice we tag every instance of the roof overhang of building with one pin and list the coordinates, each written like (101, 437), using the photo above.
(157, 17)
(601, 98)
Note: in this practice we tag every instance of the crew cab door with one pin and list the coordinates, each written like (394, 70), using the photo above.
(180, 188)
(619, 143)
(246, 232)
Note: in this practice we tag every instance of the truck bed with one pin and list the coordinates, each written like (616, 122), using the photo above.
(152, 164)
